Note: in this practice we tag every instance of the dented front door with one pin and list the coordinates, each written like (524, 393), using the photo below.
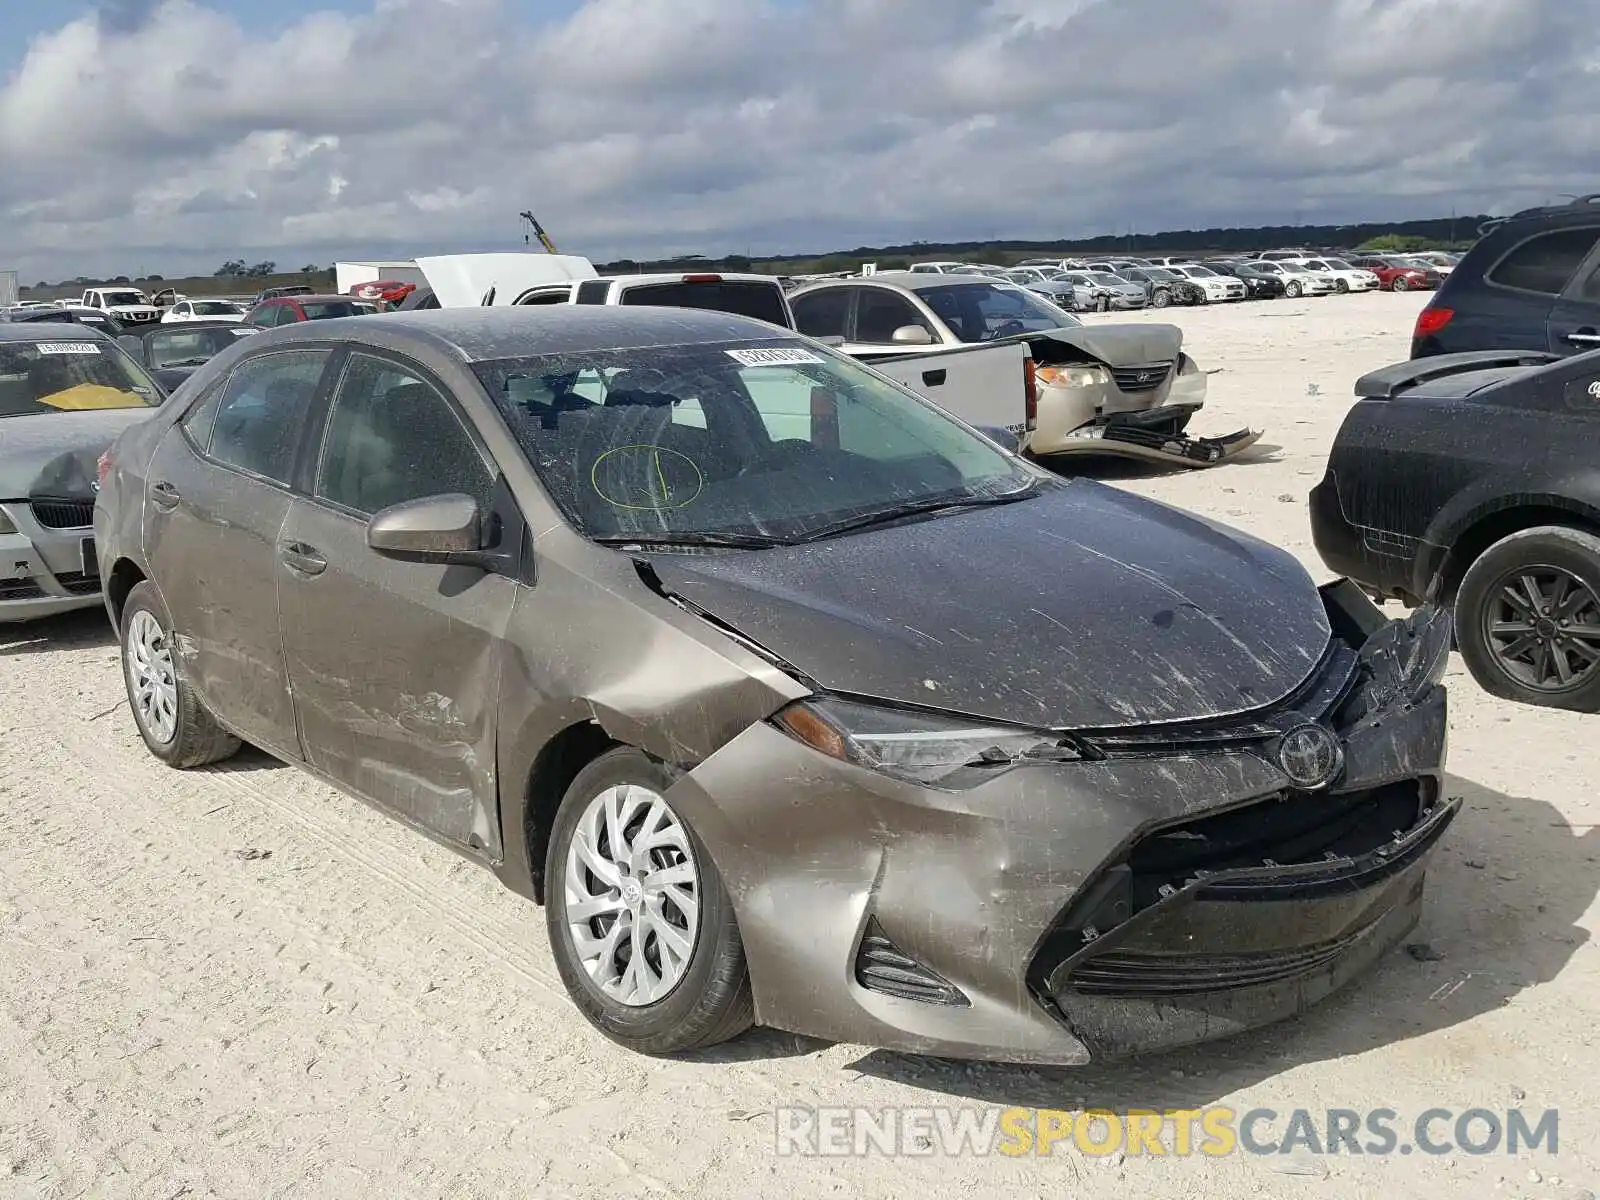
(395, 669)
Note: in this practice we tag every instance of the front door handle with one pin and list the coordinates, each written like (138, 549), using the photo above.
(933, 378)
(1584, 337)
(164, 496)
(303, 559)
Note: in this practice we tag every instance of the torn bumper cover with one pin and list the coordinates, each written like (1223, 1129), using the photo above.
(1172, 884)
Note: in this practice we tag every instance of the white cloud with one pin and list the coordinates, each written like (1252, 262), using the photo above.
(171, 132)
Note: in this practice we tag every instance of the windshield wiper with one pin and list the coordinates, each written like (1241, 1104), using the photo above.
(184, 362)
(932, 507)
(647, 541)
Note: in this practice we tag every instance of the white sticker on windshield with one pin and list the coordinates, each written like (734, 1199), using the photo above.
(67, 348)
(779, 357)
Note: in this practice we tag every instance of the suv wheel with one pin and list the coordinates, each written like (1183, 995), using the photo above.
(640, 924)
(175, 725)
(1528, 618)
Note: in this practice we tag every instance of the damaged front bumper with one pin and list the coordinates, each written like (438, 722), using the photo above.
(45, 568)
(1178, 885)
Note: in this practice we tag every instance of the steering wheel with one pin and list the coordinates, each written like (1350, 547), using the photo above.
(1009, 328)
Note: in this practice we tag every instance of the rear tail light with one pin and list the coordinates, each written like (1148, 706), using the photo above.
(1030, 392)
(103, 467)
(702, 279)
(1431, 320)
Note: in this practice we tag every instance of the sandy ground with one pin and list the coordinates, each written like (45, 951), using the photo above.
(239, 983)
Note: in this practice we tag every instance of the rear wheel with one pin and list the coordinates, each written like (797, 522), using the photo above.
(640, 923)
(1400, 284)
(1528, 618)
(175, 725)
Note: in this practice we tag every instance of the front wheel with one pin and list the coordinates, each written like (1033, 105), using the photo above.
(640, 923)
(1528, 618)
(1400, 284)
(1161, 298)
(1341, 286)
(175, 725)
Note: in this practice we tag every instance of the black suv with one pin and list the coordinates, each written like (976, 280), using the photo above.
(1531, 282)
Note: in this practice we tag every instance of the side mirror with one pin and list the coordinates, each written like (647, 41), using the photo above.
(911, 335)
(435, 529)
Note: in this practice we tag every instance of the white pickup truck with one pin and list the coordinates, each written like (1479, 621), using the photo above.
(129, 306)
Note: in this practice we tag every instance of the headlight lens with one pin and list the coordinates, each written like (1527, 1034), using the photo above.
(1073, 377)
(918, 747)
(7, 525)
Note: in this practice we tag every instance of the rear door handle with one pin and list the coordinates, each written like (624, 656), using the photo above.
(933, 378)
(164, 496)
(304, 559)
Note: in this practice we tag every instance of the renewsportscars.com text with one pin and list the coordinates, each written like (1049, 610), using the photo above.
(1210, 1132)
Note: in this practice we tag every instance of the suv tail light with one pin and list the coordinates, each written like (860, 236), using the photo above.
(1430, 320)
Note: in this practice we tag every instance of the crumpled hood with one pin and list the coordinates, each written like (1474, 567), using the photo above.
(1128, 345)
(55, 454)
(1083, 608)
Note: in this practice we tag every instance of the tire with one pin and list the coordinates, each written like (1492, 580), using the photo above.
(1103, 304)
(1400, 284)
(1341, 286)
(189, 736)
(1292, 290)
(709, 1000)
(1545, 555)
(1160, 298)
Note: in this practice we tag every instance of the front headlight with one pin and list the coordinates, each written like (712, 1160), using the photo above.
(7, 525)
(923, 748)
(1073, 377)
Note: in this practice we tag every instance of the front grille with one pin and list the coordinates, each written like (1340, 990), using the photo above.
(883, 967)
(64, 514)
(20, 589)
(135, 318)
(78, 583)
(1143, 377)
(1136, 974)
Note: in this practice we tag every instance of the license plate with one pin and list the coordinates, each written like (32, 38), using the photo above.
(91, 560)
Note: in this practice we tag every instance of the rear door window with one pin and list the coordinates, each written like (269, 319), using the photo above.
(1546, 262)
(745, 298)
(263, 411)
(879, 312)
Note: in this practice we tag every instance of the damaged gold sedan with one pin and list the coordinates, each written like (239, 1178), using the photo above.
(793, 699)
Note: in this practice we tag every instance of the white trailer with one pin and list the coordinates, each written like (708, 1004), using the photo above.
(351, 274)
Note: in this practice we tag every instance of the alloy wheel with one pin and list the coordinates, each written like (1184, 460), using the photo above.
(148, 659)
(1542, 625)
(1400, 283)
(632, 895)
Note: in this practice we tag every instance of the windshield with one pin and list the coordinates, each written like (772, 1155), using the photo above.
(1161, 273)
(1339, 264)
(776, 440)
(1107, 279)
(217, 308)
(981, 312)
(123, 297)
(70, 376)
(188, 347)
(1293, 268)
(1200, 272)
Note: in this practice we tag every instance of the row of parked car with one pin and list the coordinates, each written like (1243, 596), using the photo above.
(1119, 284)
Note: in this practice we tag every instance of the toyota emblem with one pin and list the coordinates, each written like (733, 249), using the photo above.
(1310, 755)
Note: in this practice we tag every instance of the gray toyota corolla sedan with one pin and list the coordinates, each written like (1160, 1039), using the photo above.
(794, 700)
(66, 391)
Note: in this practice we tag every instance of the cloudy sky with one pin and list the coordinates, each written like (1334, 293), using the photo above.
(170, 135)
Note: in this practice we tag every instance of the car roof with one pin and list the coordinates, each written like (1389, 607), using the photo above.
(921, 281)
(300, 299)
(29, 331)
(181, 326)
(486, 333)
